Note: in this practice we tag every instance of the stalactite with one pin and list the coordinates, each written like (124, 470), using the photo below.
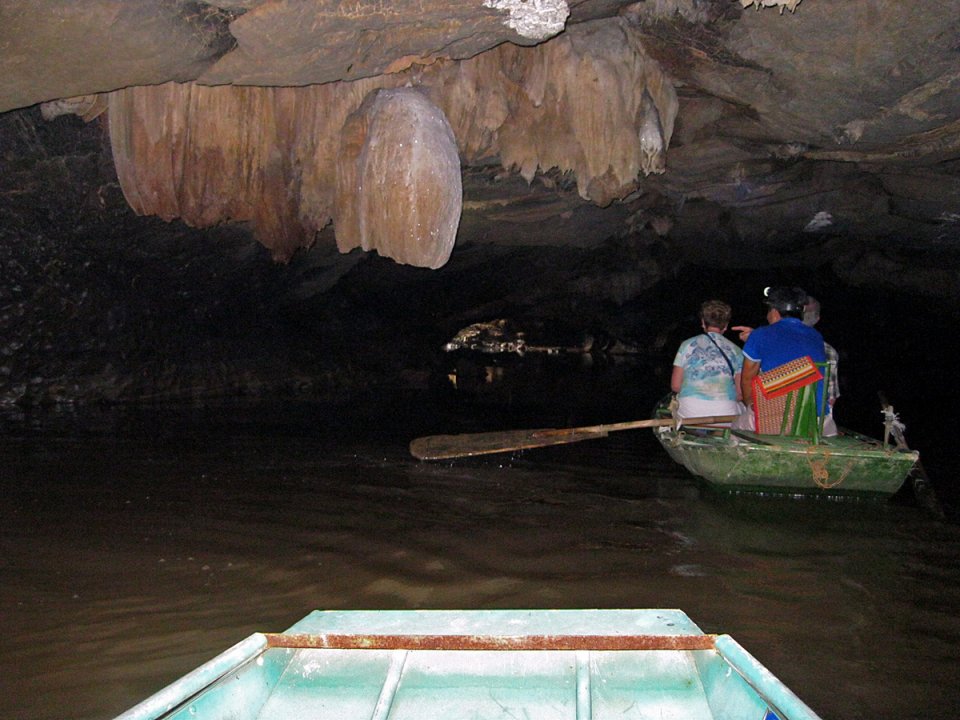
(209, 155)
(398, 180)
(589, 101)
(652, 154)
(288, 160)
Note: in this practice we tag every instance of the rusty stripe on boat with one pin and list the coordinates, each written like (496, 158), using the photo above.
(491, 642)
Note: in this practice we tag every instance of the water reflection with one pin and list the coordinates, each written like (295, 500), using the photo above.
(136, 547)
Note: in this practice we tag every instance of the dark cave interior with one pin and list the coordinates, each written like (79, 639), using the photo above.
(100, 306)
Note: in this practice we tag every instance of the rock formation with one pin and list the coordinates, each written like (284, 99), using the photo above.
(790, 5)
(590, 102)
(689, 120)
(398, 180)
(571, 160)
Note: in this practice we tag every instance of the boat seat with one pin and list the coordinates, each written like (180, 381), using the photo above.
(785, 399)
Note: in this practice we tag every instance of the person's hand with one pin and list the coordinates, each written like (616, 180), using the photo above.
(743, 330)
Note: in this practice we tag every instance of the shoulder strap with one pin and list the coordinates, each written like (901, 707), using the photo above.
(729, 364)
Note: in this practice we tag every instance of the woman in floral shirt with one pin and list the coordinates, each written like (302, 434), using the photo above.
(706, 370)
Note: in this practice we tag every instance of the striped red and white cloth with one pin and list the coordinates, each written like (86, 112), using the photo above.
(770, 391)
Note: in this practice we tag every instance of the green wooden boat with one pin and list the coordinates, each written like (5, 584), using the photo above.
(440, 664)
(849, 463)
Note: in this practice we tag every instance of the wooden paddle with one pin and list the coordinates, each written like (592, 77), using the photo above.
(444, 447)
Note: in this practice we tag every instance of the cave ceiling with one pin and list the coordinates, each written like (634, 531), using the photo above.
(782, 127)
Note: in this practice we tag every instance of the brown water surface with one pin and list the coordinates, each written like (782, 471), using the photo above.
(134, 551)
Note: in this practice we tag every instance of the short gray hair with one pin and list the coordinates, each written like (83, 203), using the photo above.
(716, 313)
(811, 311)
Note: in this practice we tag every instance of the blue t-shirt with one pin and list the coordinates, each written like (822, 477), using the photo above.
(785, 340)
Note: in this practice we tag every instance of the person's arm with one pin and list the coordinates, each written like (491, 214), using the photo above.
(744, 331)
(676, 379)
(736, 384)
(750, 369)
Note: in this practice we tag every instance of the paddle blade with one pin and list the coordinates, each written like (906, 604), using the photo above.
(446, 447)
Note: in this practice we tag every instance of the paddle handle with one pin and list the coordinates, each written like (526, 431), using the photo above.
(658, 422)
(602, 430)
(445, 447)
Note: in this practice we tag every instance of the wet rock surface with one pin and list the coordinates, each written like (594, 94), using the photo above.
(99, 304)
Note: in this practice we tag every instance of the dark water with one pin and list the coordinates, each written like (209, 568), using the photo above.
(138, 544)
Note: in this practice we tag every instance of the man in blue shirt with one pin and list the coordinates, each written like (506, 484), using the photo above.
(785, 338)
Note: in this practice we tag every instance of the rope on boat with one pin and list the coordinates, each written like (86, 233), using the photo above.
(818, 468)
(674, 408)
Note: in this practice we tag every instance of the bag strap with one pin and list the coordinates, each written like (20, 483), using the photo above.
(729, 364)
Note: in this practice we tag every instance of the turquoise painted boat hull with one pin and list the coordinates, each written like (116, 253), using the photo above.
(433, 664)
(850, 463)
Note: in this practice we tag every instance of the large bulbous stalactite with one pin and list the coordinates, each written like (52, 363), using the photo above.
(398, 180)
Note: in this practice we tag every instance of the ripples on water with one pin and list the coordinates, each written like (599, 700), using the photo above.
(136, 549)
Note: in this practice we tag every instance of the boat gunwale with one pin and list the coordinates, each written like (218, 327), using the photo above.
(360, 641)
(867, 449)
